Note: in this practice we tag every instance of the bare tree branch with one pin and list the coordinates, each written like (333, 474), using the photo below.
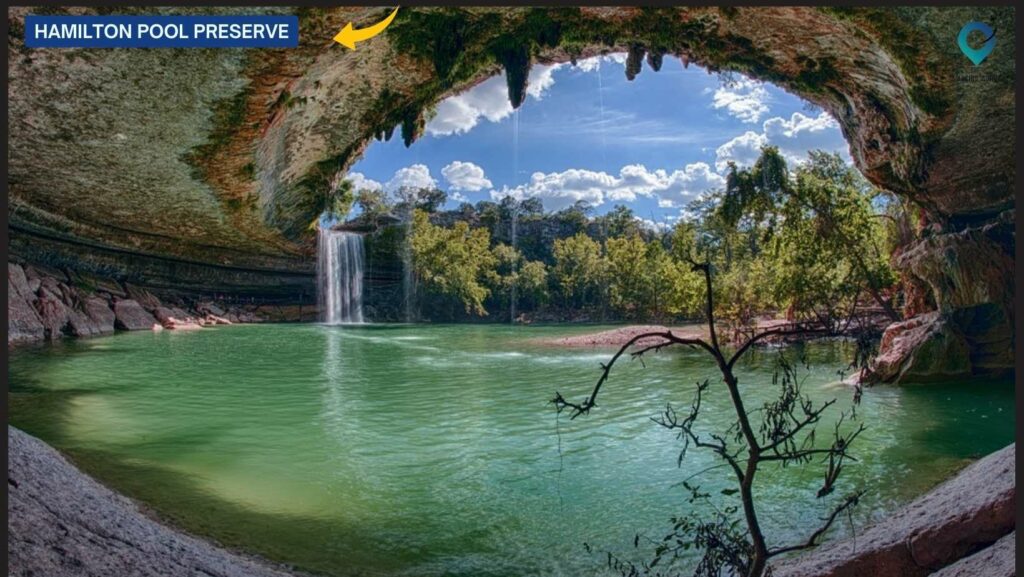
(812, 541)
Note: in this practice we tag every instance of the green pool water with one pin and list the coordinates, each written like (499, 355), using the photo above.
(434, 450)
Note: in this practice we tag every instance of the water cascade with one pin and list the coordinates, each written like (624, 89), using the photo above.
(408, 277)
(339, 275)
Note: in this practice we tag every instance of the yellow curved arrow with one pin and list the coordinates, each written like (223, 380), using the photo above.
(349, 36)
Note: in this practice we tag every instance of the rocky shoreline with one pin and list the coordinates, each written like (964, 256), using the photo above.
(48, 304)
(63, 523)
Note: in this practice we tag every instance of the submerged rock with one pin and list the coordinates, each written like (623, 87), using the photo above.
(61, 522)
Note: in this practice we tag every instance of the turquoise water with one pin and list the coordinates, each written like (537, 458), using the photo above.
(434, 450)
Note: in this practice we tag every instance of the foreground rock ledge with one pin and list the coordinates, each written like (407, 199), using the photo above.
(61, 523)
(954, 521)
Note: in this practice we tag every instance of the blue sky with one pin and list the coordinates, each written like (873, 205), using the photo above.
(586, 133)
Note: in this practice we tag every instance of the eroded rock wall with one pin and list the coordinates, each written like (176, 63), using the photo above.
(49, 304)
(960, 308)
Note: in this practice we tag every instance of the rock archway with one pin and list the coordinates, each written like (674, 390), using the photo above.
(215, 163)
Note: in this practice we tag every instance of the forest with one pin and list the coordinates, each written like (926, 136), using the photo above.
(811, 243)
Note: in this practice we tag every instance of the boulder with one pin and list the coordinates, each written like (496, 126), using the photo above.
(975, 508)
(92, 317)
(212, 319)
(928, 347)
(40, 272)
(996, 561)
(99, 311)
(130, 316)
(54, 313)
(142, 296)
(211, 308)
(175, 319)
(23, 322)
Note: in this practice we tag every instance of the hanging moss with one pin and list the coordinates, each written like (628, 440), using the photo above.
(452, 39)
(412, 125)
(634, 61)
(654, 60)
(515, 58)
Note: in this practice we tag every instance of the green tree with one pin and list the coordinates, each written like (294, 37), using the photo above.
(628, 274)
(513, 274)
(821, 224)
(619, 222)
(579, 268)
(452, 262)
(372, 203)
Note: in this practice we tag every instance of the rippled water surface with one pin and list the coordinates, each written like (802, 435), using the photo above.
(434, 450)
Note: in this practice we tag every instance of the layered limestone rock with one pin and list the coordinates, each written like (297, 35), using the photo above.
(962, 293)
(216, 188)
(968, 513)
(49, 304)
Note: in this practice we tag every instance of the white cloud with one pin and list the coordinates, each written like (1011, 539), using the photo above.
(794, 137)
(415, 176)
(743, 150)
(561, 189)
(594, 62)
(487, 100)
(652, 225)
(360, 182)
(465, 176)
(746, 100)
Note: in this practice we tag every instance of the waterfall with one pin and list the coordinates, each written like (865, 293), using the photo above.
(339, 275)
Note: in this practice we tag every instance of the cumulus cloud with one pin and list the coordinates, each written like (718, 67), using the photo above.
(360, 182)
(486, 101)
(465, 176)
(594, 62)
(794, 137)
(746, 100)
(743, 150)
(654, 226)
(414, 176)
(562, 189)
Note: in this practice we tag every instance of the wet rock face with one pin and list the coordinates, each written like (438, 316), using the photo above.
(966, 279)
